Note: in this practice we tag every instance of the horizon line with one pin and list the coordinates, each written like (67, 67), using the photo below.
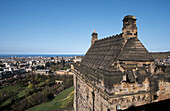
(60, 53)
(43, 54)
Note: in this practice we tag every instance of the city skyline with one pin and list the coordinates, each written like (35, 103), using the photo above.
(65, 27)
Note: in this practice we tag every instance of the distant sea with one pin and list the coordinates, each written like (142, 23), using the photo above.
(37, 55)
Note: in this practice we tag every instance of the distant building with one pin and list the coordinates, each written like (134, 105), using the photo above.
(77, 60)
(42, 71)
(6, 65)
(59, 82)
(117, 72)
(28, 69)
(64, 72)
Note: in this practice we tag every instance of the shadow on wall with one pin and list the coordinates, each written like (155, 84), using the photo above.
(157, 106)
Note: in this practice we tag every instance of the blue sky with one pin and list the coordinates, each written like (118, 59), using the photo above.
(65, 26)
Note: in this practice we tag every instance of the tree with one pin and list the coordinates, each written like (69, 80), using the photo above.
(37, 77)
(31, 85)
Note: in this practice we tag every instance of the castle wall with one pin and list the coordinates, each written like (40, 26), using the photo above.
(129, 88)
(87, 97)
(164, 91)
(82, 95)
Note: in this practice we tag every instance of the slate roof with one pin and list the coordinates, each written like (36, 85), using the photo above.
(97, 63)
(134, 51)
(104, 52)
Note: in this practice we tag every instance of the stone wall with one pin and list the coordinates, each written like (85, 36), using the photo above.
(90, 95)
(149, 66)
(87, 97)
(164, 91)
(129, 88)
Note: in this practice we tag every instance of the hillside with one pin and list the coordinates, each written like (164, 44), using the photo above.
(63, 101)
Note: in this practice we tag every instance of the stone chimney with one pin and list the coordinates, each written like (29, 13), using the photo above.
(94, 37)
(129, 29)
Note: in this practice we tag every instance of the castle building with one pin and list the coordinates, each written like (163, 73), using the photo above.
(116, 73)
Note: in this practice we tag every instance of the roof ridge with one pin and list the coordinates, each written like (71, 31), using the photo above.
(109, 37)
(124, 43)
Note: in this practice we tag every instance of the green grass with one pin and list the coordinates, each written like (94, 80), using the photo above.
(62, 100)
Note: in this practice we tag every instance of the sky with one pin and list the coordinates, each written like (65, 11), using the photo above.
(65, 26)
